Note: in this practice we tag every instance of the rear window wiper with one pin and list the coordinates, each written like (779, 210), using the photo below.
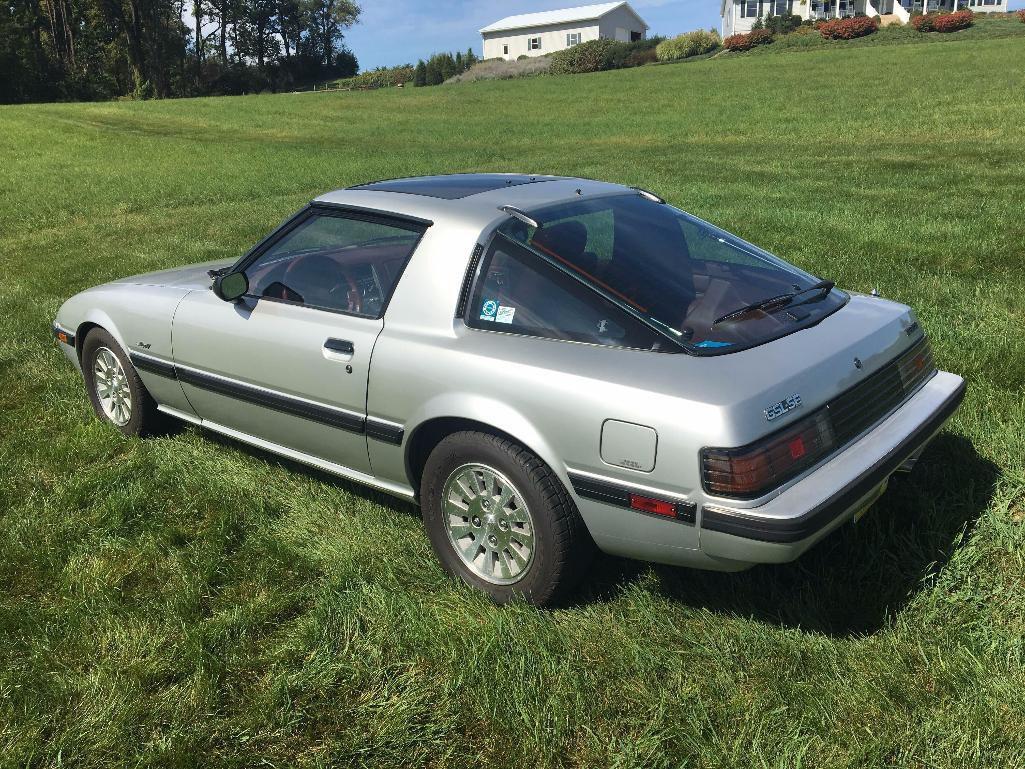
(776, 302)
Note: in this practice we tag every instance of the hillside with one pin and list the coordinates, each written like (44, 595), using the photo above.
(185, 601)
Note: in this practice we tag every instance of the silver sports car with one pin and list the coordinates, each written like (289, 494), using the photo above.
(544, 364)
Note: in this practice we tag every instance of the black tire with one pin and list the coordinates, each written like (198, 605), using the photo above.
(562, 546)
(145, 419)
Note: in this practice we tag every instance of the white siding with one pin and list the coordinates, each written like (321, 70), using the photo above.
(553, 38)
(618, 24)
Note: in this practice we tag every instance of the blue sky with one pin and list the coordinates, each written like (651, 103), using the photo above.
(398, 31)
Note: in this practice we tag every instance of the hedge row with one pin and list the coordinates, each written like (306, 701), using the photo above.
(382, 77)
(848, 29)
(689, 44)
(603, 54)
(748, 41)
(943, 22)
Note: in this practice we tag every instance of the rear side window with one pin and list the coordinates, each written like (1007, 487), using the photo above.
(340, 263)
(518, 292)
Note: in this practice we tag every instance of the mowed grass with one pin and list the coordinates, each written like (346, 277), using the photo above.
(185, 601)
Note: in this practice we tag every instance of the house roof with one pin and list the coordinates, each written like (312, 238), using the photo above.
(561, 16)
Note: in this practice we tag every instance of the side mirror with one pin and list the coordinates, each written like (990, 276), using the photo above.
(231, 287)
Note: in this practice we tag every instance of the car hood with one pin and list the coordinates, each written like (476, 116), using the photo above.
(193, 276)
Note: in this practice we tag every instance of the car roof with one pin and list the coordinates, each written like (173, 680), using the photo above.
(470, 199)
(452, 186)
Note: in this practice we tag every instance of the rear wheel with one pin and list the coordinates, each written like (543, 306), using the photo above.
(499, 518)
(115, 389)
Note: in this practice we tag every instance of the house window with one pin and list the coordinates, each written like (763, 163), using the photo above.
(748, 9)
(534, 43)
(505, 50)
(635, 36)
(782, 7)
(572, 38)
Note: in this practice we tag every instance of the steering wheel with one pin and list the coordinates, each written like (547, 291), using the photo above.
(354, 297)
(317, 272)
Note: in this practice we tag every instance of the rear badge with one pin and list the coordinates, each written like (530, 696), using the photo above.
(781, 408)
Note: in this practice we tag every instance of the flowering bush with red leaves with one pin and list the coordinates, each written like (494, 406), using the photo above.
(943, 22)
(923, 23)
(848, 29)
(951, 22)
(1021, 16)
(748, 41)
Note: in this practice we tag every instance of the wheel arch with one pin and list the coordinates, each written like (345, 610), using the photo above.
(96, 319)
(492, 418)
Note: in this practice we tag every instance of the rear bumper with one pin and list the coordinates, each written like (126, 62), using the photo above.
(783, 528)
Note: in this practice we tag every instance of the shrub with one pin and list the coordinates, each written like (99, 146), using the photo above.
(748, 41)
(848, 29)
(1021, 16)
(590, 56)
(952, 22)
(382, 77)
(923, 23)
(689, 44)
(943, 22)
(624, 55)
(500, 69)
(782, 25)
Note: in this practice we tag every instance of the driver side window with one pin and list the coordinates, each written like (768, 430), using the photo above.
(340, 263)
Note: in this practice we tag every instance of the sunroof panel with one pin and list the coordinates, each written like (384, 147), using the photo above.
(451, 186)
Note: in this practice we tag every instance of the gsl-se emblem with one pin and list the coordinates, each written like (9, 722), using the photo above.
(785, 405)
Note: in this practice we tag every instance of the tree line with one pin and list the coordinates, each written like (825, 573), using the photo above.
(441, 66)
(102, 49)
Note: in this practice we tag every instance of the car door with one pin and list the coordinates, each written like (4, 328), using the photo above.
(289, 362)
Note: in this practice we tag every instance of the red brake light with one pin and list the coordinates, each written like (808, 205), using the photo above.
(797, 449)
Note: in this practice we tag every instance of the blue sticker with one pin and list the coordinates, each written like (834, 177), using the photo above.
(709, 343)
(489, 309)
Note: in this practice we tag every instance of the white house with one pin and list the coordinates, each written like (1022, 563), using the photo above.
(535, 34)
(739, 15)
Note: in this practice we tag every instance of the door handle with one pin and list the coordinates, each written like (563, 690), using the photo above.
(342, 347)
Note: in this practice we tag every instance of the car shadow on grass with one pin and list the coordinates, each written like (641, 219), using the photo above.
(857, 579)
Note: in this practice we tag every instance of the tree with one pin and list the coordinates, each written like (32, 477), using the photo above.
(346, 63)
(102, 49)
(433, 74)
(290, 23)
(420, 74)
(258, 30)
(327, 21)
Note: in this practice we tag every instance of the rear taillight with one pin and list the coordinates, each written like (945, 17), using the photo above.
(754, 469)
(915, 365)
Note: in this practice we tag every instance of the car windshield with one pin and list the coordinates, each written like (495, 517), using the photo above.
(706, 289)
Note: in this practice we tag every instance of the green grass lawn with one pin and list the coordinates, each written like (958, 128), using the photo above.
(185, 601)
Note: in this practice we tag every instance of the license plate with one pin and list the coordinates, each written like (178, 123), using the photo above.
(880, 489)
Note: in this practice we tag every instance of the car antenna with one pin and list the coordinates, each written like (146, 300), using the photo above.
(518, 214)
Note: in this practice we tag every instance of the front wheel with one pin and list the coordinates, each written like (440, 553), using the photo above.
(500, 519)
(115, 390)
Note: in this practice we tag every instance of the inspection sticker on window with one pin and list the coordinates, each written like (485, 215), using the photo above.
(505, 314)
(488, 309)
